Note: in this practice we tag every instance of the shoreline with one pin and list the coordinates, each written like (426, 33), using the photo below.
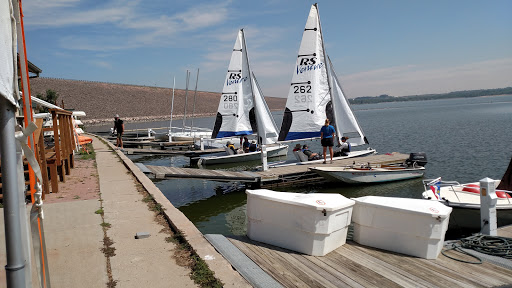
(99, 122)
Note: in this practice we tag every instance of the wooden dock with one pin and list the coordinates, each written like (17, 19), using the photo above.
(188, 153)
(162, 172)
(293, 175)
(146, 144)
(354, 265)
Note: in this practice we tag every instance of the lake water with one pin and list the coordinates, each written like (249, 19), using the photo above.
(465, 140)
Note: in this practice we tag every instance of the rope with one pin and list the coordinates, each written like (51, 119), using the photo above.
(490, 245)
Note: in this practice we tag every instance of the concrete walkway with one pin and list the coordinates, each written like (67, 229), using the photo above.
(144, 262)
(74, 236)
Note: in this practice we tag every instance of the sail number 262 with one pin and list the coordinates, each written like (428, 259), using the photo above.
(300, 89)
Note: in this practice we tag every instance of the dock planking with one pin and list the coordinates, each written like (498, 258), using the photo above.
(162, 172)
(505, 231)
(157, 151)
(354, 265)
(293, 175)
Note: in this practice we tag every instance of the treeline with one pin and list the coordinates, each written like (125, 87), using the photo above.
(456, 94)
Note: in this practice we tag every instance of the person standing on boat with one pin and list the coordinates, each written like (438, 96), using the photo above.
(119, 128)
(327, 136)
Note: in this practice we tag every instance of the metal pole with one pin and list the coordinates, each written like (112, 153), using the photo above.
(172, 108)
(194, 109)
(186, 97)
(15, 268)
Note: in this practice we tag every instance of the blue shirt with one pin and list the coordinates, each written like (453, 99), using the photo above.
(327, 131)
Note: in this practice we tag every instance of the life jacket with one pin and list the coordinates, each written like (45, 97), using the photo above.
(232, 147)
(346, 149)
(253, 147)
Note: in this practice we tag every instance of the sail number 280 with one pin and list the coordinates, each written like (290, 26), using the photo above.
(230, 99)
(300, 89)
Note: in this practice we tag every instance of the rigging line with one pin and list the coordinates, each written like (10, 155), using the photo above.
(325, 54)
(252, 88)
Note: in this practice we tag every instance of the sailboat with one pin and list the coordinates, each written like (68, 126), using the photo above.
(195, 132)
(316, 94)
(243, 111)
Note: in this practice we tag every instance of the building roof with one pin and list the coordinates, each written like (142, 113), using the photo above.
(33, 70)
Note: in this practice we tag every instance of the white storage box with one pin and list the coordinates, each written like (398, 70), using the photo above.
(313, 224)
(409, 226)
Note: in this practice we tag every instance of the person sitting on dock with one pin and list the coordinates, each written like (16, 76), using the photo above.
(311, 155)
(231, 146)
(253, 147)
(246, 145)
(344, 146)
(119, 128)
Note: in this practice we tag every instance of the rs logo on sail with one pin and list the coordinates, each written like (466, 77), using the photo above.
(308, 64)
(235, 78)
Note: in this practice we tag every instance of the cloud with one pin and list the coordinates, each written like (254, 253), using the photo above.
(120, 24)
(102, 64)
(418, 79)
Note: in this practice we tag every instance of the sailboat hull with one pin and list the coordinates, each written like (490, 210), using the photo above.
(187, 136)
(272, 151)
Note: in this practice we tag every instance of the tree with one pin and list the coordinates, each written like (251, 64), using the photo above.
(50, 97)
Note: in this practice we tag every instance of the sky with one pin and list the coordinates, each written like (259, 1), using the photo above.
(394, 47)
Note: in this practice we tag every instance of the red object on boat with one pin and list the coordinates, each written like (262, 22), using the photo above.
(475, 188)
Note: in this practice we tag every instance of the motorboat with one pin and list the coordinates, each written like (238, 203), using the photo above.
(368, 173)
(465, 199)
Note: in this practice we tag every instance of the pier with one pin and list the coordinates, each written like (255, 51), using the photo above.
(354, 265)
(162, 172)
(281, 176)
(188, 153)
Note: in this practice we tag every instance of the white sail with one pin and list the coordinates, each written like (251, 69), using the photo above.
(305, 111)
(344, 119)
(267, 129)
(8, 52)
(236, 103)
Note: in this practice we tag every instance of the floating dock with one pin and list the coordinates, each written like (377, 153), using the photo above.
(354, 265)
(291, 175)
(161, 172)
(188, 153)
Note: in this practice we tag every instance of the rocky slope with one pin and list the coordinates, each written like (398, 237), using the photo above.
(101, 101)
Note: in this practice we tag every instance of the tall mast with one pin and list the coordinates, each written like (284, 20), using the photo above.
(185, 107)
(194, 109)
(244, 52)
(327, 70)
(172, 109)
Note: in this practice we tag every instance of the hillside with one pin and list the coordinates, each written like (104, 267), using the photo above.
(101, 101)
